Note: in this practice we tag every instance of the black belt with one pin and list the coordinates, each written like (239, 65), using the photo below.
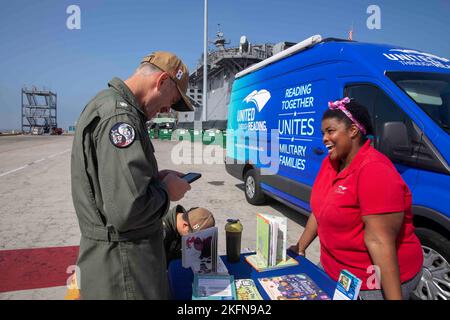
(110, 234)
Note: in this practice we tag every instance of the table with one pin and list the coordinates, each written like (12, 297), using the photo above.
(180, 279)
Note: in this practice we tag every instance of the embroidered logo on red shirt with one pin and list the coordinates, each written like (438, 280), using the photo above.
(341, 189)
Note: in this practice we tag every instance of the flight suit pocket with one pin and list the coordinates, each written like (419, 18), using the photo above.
(128, 281)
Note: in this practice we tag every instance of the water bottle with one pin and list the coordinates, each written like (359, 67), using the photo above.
(233, 230)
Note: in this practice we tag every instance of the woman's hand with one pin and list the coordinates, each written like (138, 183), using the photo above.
(308, 236)
(296, 249)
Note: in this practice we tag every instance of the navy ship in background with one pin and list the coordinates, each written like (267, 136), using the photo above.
(223, 64)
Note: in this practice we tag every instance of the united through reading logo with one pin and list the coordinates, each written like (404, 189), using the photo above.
(259, 98)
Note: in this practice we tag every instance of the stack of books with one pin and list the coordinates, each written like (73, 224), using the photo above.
(271, 237)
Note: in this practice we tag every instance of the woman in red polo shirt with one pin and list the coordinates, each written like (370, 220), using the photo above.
(362, 210)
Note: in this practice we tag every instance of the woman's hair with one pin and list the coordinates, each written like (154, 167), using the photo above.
(358, 111)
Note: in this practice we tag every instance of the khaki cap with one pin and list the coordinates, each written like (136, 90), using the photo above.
(200, 218)
(177, 71)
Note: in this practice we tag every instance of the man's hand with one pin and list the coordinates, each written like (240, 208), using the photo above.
(163, 173)
(176, 186)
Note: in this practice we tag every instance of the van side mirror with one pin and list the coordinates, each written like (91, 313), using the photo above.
(395, 142)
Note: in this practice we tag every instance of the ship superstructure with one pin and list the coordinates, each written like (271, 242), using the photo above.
(223, 64)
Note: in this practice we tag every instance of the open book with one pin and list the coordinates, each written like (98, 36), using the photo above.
(199, 252)
(271, 233)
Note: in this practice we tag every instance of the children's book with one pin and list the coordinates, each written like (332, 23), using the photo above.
(273, 242)
(261, 265)
(281, 237)
(213, 287)
(271, 233)
(347, 287)
(263, 237)
(199, 252)
(247, 290)
(221, 267)
(292, 287)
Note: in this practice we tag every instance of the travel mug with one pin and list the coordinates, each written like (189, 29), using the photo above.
(233, 230)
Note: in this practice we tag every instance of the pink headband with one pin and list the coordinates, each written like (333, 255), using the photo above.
(340, 104)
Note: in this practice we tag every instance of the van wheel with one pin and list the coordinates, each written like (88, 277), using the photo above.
(253, 192)
(435, 281)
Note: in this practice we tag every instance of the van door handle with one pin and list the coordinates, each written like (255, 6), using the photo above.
(318, 151)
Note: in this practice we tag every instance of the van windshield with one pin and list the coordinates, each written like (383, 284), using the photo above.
(431, 91)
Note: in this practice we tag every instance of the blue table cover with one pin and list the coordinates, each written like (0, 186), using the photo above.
(180, 279)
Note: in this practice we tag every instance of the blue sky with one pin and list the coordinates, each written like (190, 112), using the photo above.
(36, 47)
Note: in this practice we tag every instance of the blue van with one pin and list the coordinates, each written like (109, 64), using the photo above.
(407, 93)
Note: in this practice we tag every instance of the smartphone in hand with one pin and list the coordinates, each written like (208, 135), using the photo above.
(191, 177)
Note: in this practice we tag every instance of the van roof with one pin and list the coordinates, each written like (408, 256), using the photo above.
(384, 56)
(311, 41)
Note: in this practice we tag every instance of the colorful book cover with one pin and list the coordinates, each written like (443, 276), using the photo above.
(221, 267)
(261, 265)
(247, 290)
(273, 243)
(292, 287)
(213, 287)
(281, 237)
(347, 287)
(199, 250)
(271, 234)
(263, 237)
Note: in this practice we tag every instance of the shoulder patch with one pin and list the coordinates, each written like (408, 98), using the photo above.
(122, 135)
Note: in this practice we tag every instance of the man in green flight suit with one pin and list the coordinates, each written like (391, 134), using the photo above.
(118, 192)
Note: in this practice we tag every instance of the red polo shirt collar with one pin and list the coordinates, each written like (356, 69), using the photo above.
(357, 160)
